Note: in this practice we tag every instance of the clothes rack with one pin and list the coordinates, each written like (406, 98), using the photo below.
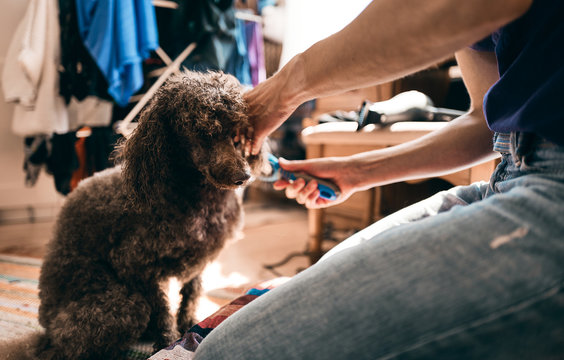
(125, 127)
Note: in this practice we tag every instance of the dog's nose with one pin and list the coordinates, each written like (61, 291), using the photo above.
(241, 177)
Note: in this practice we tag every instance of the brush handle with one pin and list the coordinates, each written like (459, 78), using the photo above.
(327, 190)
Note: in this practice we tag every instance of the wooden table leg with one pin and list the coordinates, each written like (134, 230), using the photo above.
(315, 224)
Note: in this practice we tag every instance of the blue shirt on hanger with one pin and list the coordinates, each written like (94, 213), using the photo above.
(119, 34)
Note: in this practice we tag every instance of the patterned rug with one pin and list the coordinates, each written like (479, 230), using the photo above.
(19, 301)
(18, 296)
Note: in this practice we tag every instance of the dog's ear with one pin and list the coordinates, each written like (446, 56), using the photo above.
(144, 158)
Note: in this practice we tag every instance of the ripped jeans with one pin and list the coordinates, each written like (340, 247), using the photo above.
(475, 272)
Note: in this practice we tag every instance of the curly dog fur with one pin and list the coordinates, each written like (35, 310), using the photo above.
(165, 212)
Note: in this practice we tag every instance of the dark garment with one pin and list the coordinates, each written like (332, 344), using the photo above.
(209, 23)
(530, 55)
(67, 158)
(36, 153)
(79, 75)
(62, 161)
(92, 154)
(99, 147)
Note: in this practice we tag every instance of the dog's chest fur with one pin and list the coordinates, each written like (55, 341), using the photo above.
(159, 243)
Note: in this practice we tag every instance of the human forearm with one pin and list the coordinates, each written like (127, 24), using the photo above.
(462, 143)
(388, 40)
(391, 39)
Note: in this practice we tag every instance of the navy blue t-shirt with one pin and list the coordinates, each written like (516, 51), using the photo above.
(529, 96)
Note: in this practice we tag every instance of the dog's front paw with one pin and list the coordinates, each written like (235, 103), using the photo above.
(164, 341)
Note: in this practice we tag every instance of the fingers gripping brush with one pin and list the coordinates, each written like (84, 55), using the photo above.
(327, 190)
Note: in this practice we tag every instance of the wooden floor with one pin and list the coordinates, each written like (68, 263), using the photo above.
(273, 229)
(25, 239)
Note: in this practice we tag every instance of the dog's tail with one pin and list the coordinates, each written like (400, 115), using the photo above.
(28, 347)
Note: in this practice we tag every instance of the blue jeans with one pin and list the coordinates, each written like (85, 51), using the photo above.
(475, 272)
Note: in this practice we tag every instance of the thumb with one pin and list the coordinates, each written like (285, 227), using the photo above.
(256, 144)
(293, 165)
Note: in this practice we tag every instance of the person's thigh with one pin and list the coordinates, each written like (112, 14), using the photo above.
(438, 203)
(479, 281)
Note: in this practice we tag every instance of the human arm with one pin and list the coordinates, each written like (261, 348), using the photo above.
(461, 143)
(388, 40)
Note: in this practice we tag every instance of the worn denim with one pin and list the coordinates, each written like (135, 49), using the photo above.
(475, 272)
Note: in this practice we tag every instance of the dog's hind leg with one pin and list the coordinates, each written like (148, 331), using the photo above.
(186, 312)
(99, 326)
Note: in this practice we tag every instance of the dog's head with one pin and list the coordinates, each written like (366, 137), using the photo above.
(210, 110)
(185, 136)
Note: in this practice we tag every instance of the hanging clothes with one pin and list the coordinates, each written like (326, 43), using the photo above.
(79, 75)
(247, 61)
(30, 77)
(93, 147)
(238, 64)
(255, 45)
(209, 23)
(69, 157)
(91, 111)
(119, 34)
(81, 171)
(36, 152)
(62, 160)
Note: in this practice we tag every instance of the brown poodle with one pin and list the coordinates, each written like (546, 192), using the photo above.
(166, 212)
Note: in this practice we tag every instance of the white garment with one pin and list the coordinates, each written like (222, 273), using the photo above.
(177, 353)
(30, 76)
(16, 85)
(92, 111)
(34, 43)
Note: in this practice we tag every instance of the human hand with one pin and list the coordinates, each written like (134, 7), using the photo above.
(267, 110)
(306, 193)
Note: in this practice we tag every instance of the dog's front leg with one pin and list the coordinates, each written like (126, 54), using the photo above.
(160, 325)
(186, 312)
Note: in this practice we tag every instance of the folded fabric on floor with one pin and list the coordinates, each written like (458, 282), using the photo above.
(185, 347)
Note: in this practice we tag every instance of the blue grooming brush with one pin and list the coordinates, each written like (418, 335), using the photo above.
(327, 190)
